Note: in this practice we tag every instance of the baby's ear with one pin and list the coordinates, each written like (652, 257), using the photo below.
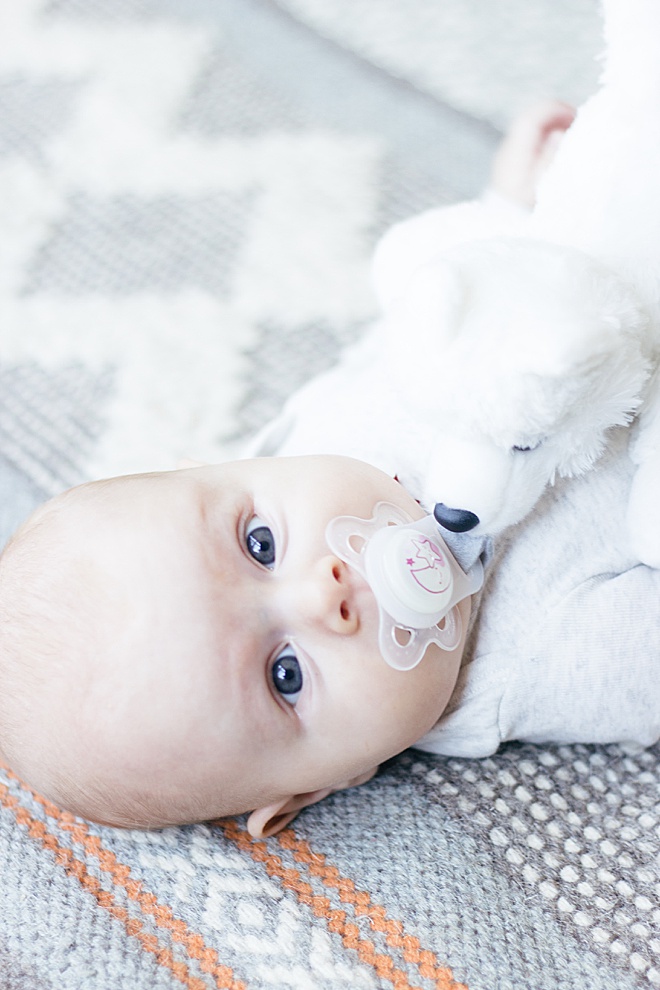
(274, 817)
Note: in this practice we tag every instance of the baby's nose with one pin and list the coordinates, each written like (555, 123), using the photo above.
(324, 595)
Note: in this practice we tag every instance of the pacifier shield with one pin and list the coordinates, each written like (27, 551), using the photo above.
(414, 578)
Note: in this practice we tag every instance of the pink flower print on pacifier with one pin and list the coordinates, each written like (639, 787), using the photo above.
(412, 574)
(428, 566)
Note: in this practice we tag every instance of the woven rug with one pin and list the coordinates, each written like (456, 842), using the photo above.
(189, 194)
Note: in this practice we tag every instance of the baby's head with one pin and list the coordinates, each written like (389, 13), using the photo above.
(181, 646)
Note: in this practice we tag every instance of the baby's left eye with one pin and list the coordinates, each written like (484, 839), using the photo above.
(260, 542)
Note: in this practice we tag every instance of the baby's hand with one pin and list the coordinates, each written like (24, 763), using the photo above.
(528, 149)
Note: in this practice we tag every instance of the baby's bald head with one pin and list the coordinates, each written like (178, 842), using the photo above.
(80, 674)
(52, 613)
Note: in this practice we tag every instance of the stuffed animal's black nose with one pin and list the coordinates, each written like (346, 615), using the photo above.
(455, 520)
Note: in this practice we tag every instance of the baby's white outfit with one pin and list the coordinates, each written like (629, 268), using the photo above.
(565, 643)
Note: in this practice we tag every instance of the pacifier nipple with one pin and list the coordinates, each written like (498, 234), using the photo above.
(413, 576)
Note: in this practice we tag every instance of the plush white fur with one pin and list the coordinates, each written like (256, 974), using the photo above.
(542, 333)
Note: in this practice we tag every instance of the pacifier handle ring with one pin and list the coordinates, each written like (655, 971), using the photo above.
(409, 654)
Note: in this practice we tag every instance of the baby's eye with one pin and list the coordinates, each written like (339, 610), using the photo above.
(287, 675)
(260, 542)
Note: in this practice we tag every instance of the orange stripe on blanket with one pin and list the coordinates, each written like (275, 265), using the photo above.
(192, 942)
(316, 864)
(411, 948)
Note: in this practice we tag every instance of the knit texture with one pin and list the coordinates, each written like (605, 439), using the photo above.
(189, 194)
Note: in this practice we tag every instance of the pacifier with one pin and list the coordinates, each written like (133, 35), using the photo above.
(415, 580)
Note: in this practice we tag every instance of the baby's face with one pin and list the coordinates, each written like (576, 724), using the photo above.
(237, 660)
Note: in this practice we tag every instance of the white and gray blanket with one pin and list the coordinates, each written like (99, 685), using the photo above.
(189, 194)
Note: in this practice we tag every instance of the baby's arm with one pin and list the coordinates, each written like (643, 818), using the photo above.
(591, 674)
(528, 149)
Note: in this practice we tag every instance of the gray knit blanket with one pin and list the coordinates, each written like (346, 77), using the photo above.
(189, 194)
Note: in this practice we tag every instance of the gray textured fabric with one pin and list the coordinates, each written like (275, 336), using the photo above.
(189, 193)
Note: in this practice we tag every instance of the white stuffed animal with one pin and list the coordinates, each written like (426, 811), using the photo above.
(511, 344)
(524, 345)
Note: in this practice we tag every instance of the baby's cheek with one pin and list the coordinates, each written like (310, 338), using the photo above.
(434, 681)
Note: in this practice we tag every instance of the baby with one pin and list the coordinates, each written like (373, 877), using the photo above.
(181, 646)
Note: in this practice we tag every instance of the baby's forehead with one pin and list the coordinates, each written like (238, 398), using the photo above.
(92, 503)
(141, 515)
(52, 519)
(58, 572)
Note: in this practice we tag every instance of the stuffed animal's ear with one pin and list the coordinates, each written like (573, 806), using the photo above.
(430, 311)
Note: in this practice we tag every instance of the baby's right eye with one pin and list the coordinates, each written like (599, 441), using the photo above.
(260, 542)
(287, 675)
